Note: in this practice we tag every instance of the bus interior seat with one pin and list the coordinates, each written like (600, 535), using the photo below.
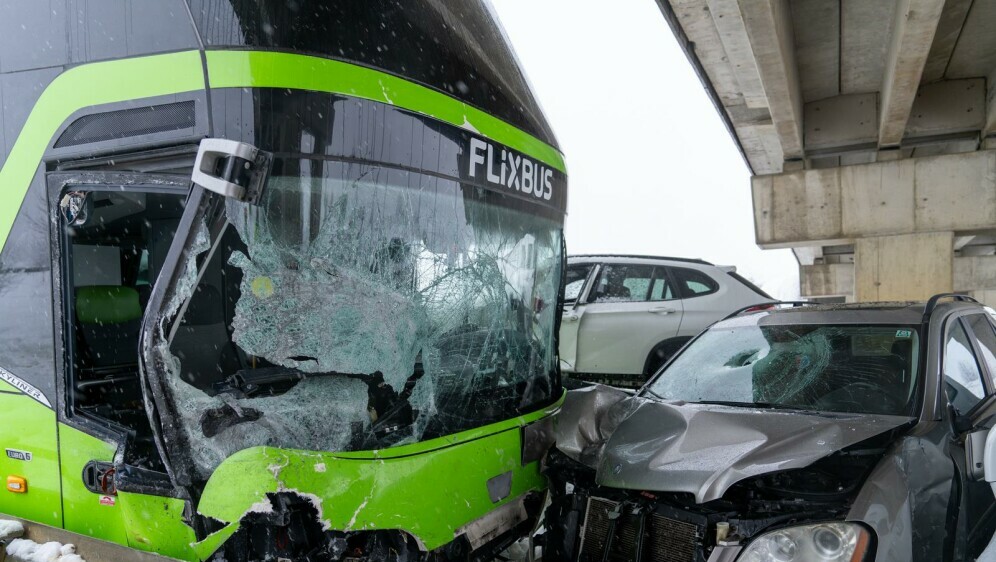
(109, 319)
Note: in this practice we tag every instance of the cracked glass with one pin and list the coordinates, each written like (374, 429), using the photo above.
(362, 307)
(835, 368)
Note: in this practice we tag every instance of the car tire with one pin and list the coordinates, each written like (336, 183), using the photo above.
(660, 354)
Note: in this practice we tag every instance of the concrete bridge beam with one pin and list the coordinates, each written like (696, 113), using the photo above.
(946, 193)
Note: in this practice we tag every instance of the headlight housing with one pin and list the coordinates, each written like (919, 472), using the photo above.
(821, 542)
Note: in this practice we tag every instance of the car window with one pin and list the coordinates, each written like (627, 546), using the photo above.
(835, 368)
(693, 283)
(962, 377)
(985, 336)
(661, 289)
(624, 283)
(574, 282)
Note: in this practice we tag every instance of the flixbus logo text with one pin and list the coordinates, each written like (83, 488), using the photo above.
(510, 170)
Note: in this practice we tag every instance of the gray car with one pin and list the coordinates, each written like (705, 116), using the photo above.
(809, 433)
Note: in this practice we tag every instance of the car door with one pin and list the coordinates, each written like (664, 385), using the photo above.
(968, 364)
(576, 283)
(628, 311)
(703, 299)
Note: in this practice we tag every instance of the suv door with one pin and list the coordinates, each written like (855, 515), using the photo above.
(630, 308)
(969, 362)
(577, 280)
(702, 300)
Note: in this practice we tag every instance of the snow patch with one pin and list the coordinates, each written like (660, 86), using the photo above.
(320, 467)
(30, 551)
(10, 530)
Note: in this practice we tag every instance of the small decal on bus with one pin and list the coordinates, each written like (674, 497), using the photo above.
(107, 500)
(24, 387)
(18, 455)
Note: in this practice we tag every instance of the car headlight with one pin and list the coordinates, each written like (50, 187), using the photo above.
(845, 542)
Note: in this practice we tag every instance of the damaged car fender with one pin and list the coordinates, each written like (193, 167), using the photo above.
(905, 501)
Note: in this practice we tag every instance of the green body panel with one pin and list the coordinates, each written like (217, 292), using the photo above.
(156, 525)
(427, 489)
(84, 513)
(83, 86)
(248, 69)
(29, 426)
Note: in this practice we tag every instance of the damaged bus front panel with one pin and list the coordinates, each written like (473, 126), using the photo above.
(352, 352)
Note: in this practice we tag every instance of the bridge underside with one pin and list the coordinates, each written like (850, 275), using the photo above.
(870, 128)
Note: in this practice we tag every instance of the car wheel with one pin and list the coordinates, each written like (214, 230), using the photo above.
(660, 355)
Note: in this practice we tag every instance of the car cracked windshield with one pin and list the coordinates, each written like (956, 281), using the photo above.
(361, 307)
(830, 368)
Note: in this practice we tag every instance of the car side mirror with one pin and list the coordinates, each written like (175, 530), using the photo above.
(961, 422)
(975, 451)
(989, 458)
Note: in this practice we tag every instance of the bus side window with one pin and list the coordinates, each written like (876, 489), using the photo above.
(112, 258)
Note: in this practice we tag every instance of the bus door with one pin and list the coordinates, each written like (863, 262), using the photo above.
(113, 234)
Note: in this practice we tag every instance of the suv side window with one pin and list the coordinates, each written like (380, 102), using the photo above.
(574, 282)
(986, 338)
(693, 283)
(624, 283)
(962, 376)
(661, 289)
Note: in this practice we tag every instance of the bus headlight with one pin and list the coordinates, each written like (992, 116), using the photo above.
(822, 542)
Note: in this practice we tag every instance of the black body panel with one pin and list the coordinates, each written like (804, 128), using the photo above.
(298, 125)
(26, 328)
(453, 46)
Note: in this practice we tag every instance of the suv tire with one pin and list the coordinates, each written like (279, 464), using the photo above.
(661, 353)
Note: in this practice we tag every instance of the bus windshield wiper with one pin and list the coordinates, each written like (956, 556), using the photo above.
(249, 382)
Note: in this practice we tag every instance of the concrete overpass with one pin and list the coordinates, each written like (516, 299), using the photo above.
(870, 130)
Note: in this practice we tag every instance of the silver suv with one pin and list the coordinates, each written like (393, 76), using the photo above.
(626, 315)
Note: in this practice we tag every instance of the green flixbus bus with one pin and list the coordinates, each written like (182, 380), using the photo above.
(278, 280)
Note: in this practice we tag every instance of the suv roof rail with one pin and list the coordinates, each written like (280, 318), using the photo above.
(928, 309)
(768, 305)
(641, 256)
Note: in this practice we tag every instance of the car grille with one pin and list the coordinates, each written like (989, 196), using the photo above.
(664, 539)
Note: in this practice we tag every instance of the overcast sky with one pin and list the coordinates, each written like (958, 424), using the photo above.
(651, 168)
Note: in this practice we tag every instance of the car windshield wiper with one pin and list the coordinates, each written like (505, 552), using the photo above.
(764, 405)
(654, 394)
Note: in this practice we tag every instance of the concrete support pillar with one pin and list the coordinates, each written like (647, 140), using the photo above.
(827, 280)
(903, 267)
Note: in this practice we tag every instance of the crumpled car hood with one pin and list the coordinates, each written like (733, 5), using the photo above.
(641, 444)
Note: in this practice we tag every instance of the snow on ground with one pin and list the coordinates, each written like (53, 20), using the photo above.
(10, 530)
(23, 550)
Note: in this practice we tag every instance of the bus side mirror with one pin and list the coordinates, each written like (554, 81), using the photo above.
(232, 169)
(75, 207)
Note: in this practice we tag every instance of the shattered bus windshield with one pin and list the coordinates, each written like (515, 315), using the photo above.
(362, 307)
(833, 368)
